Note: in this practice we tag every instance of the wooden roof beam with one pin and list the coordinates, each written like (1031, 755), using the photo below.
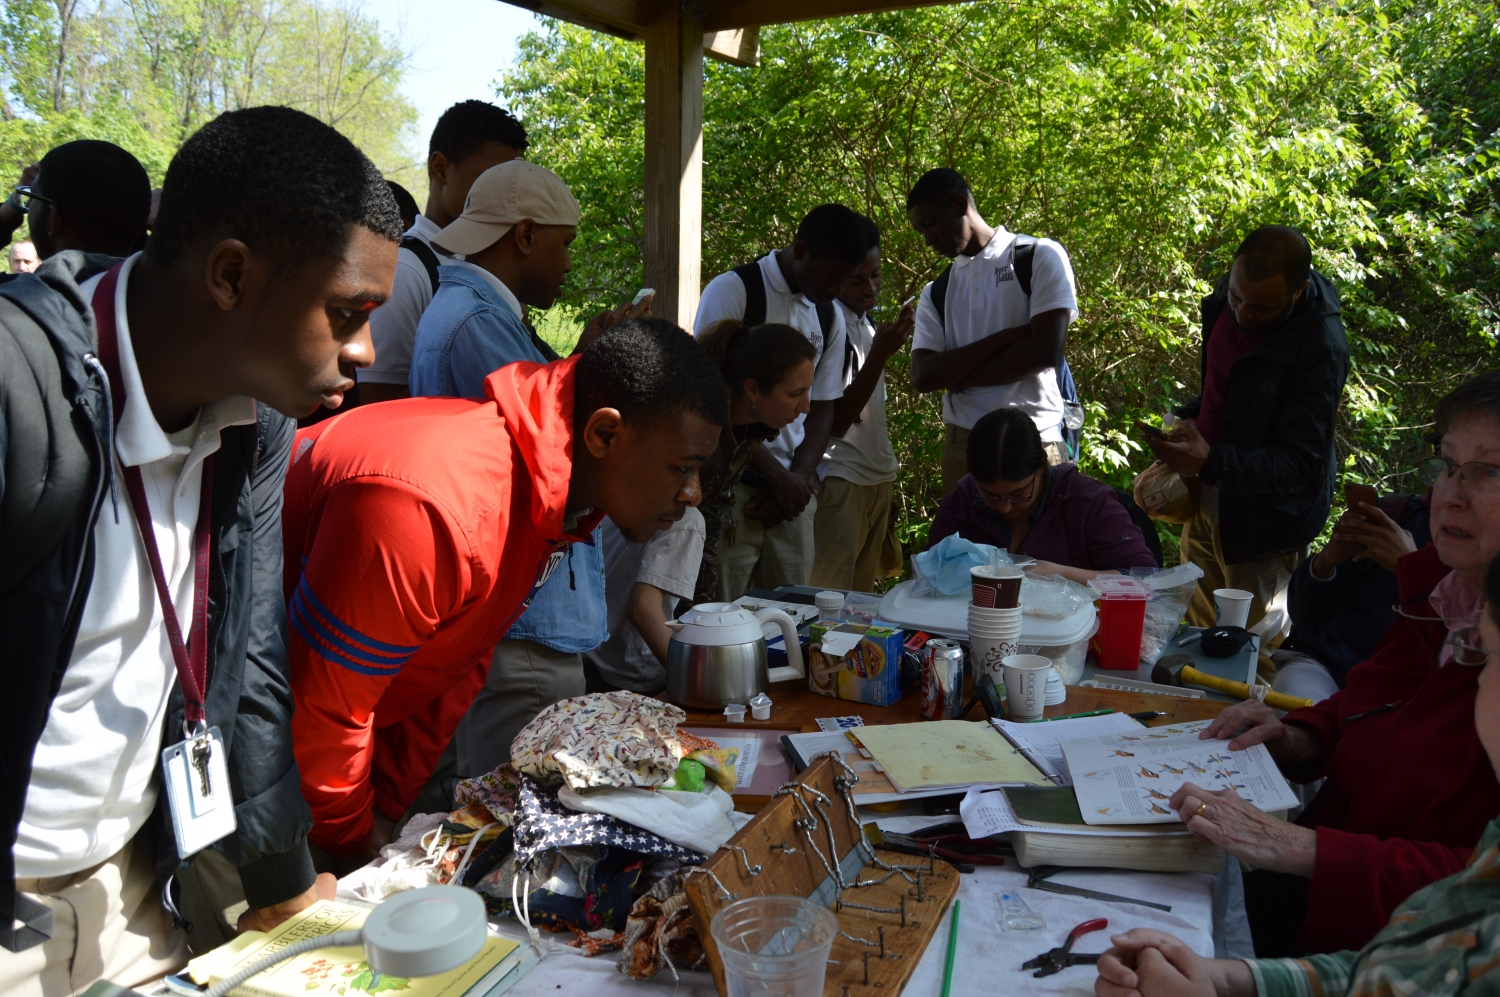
(721, 15)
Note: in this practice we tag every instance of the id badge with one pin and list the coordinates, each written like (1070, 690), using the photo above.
(196, 778)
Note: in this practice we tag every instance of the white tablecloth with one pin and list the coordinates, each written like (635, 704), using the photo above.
(987, 957)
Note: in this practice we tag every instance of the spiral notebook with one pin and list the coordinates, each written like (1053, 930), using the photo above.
(1040, 742)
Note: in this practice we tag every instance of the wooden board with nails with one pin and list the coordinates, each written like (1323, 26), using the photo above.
(793, 841)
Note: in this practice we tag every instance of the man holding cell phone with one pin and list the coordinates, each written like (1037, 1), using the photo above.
(1260, 437)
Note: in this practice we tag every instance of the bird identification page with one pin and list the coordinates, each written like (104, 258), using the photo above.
(1127, 778)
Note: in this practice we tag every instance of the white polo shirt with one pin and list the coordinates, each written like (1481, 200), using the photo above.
(863, 455)
(93, 777)
(984, 298)
(393, 326)
(724, 297)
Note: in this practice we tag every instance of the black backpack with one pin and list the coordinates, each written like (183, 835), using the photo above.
(430, 261)
(1021, 259)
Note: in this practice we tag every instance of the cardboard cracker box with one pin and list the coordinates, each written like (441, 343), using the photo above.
(862, 664)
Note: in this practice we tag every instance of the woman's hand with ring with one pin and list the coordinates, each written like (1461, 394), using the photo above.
(1245, 831)
(1292, 746)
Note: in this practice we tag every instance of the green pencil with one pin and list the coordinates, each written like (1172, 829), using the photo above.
(952, 948)
(1075, 716)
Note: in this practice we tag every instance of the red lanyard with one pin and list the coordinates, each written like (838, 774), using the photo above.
(191, 658)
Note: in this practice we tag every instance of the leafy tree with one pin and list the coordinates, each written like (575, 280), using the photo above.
(147, 73)
(1147, 136)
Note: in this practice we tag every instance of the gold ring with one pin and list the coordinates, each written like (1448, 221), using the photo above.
(1202, 807)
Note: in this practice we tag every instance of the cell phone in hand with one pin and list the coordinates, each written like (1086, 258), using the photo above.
(1355, 494)
(908, 302)
(1150, 430)
(641, 295)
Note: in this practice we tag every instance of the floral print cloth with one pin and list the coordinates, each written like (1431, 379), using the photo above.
(602, 739)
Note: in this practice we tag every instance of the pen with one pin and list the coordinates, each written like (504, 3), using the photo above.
(1148, 715)
(952, 948)
(1075, 716)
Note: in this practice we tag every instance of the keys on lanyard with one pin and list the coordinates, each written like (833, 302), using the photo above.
(194, 769)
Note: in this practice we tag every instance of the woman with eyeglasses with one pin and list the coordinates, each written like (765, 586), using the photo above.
(1441, 941)
(1407, 786)
(1071, 524)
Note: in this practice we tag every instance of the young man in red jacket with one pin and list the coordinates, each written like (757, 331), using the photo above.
(416, 532)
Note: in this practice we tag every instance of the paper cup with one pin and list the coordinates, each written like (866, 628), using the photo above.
(994, 615)
(1008, 633)
(1026, 684)
(998, 589)
(986, 655)
(1233, 606)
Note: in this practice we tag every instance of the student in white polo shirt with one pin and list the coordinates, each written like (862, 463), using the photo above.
(468, 139)
(852, 532)
(771, 542)
(991, 329)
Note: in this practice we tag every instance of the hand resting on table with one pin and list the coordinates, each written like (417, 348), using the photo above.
(1144, 962)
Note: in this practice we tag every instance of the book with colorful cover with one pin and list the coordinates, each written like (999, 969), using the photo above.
(343, 972)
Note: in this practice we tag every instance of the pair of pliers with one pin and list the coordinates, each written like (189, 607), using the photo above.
(1058, 959)
(950, 843)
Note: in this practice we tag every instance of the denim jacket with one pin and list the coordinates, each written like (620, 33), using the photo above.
(467, 333)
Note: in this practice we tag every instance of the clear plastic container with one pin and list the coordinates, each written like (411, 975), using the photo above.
(774, 946)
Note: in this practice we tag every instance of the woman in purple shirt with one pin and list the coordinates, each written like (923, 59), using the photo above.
(1073, 525)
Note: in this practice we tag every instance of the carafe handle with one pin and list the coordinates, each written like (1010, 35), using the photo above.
(794, 670)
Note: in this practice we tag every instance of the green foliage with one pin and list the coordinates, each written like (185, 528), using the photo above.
(1147, 136)
(146, 74)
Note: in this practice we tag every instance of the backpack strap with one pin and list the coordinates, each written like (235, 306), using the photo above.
(755, 292)
(426, 255)
(1020, 258)
(825, 321)
(940, 294)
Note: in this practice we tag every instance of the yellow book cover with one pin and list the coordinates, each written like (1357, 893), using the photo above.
(342, 972)
(946, 754)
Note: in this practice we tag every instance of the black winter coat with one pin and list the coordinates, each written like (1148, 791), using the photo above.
(1274, 463)
(56, 427)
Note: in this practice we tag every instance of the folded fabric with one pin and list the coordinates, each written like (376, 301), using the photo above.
(692, 820)
(543, 823)
(946, 564)
(660, 929)
(495, 791)
(602, 739)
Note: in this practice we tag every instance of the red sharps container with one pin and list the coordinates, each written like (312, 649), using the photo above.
(1122, 617)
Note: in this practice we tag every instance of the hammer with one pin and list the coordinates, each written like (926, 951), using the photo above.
(1176, 669)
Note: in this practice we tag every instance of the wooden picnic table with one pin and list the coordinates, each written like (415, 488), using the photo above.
(795, 708)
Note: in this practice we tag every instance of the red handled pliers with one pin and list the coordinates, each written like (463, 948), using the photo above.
(1058, 959)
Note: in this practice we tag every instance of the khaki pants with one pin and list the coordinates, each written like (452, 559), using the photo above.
(852, 536)
(956, 455)
(525, 678)
(1265, 579)
(765, 558)
(108, 924)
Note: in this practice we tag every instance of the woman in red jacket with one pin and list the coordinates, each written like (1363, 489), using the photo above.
(1408, 788)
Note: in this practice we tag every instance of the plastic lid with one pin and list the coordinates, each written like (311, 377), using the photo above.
(1120, 587)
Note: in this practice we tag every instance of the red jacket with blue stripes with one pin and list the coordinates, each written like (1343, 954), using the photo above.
(416, 532)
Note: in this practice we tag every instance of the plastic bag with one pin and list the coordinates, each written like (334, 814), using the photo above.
(943, 569)
(1164, 495)
(1171, 591)
(1053, 597)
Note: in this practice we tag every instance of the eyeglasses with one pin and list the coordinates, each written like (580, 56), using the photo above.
(1018, 497)
(1468, 648)
(25, 193)
(1476, 476)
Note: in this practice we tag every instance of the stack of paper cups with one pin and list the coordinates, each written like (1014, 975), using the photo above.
(993, 634)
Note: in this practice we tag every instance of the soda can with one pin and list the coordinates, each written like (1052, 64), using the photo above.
(943, 680)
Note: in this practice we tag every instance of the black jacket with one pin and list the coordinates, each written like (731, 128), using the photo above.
(1341, 620)
(55, 428)
(1274, 462)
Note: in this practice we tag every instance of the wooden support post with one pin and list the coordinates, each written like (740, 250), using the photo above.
(674, 163)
